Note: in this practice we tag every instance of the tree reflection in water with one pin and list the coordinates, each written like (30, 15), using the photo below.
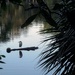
(12, 16)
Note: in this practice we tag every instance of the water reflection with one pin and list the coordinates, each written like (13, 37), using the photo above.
(27, 65)
(11, 33)
(11, 21)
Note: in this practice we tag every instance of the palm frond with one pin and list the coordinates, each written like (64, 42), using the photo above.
(60, 53)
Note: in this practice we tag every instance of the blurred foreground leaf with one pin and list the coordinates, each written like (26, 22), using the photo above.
(3, 56)
(2, 62)
(29, 20)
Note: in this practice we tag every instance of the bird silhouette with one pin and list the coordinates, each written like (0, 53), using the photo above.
(20, 43)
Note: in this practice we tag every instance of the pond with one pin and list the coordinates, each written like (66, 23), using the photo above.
(10, 35)
(27, 64)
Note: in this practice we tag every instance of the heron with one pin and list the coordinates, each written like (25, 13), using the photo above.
(20, 43)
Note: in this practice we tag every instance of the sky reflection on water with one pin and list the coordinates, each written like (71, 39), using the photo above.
(27, 65)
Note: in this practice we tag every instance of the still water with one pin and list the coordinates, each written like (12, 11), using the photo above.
(10, 35)
(27, 65)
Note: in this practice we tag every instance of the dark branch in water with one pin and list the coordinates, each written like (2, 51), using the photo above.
(25, 49)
